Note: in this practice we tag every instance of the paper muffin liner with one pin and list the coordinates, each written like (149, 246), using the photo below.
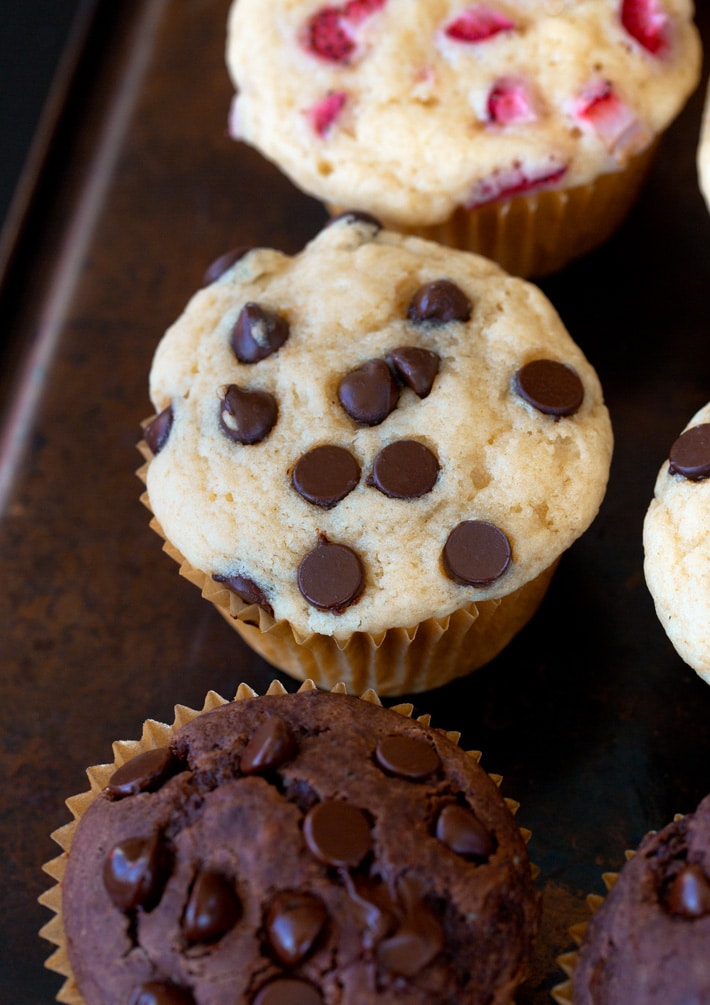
(158, 734)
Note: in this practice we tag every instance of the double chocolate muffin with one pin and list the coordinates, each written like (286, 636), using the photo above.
(305, 848)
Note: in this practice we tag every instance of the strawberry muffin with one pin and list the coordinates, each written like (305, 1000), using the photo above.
(520, 131)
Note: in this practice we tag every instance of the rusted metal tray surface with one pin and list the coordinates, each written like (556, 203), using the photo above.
(597, 727)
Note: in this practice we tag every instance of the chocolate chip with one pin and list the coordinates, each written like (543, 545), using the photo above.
(212, 910)
(258, 333)
(416, 367)
(288, 991)
(247, 416)
(690, 454)
(144, 773)
(413, 946)
(271, 744)
(157, 431)
(337, 833)
(459, 829)
(372, 905)
(249, 591)
(331, 577)
(353, 216)
(134, 872)
(369, 392)
(404, 469)
(550, 387)
(407, 757)
(160, 993)
(294, 922)
(219, 266)
(476, 553)
(689, 895)
(439, 303)
(325, 475)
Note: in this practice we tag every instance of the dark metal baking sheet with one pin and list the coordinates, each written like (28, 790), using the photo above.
(598, 728)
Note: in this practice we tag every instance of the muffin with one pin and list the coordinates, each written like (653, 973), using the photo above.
(677, 547)
(309, 847)
(647, 943)
(370, 455)
(518, 131)
(704, 151)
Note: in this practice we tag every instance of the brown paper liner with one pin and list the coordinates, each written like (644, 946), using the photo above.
(157, 734)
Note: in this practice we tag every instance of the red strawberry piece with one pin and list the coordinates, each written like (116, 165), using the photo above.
(516, 180)
(614, 122)
(476, 24)
(356, 11)
(647, 23)
(509, 102)
(328, 33)
(323, 114)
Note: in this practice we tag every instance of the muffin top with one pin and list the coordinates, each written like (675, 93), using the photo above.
(373, 432)
(299, 848)
(648, 942)
(410, 110)
(676, 544)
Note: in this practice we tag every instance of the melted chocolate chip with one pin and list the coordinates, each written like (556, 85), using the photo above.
(288, 991)
(337, 833)
(212, 909)
(690, 454)
(294, 922)
(219, 266)
(439, 303)
(459, 829)
(353, 216)
(369, 392)
(476, 553)
(407, 757)
(373, 906)
(157, 431)
(689, 895)
(247, 416)
(550, 387)
(404, 469)
(247, 589)
(412, 946)
(160, 993)
(331, 577)
(416, 367)
(257, 333)
(144, 773)
(325, 475)
(271, 744)
(135, 871)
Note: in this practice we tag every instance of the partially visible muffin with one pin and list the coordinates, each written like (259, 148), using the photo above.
(311, 848)
(677, 544)
(703, 156)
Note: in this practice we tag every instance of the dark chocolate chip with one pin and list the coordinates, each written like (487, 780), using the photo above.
(294, 922)
(161, 993)
(220, 265)
(325, 475)
(331, 577)
(459, 829)
(257, 333)
(412, 946)
(212, 910)
(416, 367)
(476, 553)
(354, 216)
(407, 757)
(690, 454)
(405, 469)
(550, 387)
(369, 392)
(439, 303)
(144, 773)
(337, 833)
(689, 895)
(271, 744)
(135, 871)
(373, 906)
(247, 416)
(288, 991)
(157, 431)
(247, 589)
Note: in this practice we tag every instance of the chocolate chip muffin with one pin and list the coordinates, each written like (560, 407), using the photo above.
(370, 455)
(311, 848)
(647, 944)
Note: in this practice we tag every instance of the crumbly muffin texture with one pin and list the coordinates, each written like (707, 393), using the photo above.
(310, 848)
(647, 943)
(410, 110)
(468, 442)
(677, 546)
